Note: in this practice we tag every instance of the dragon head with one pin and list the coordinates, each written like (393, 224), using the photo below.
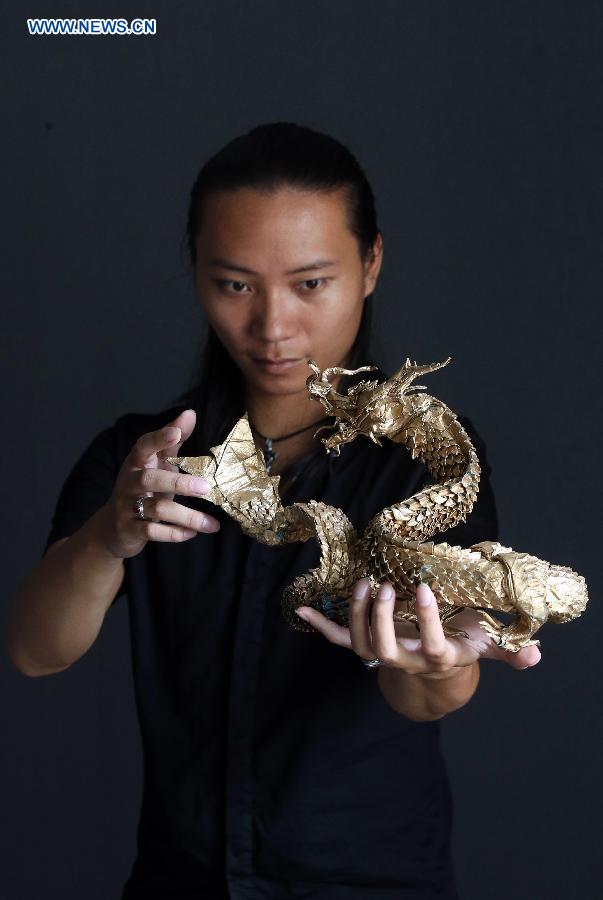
(365, 408)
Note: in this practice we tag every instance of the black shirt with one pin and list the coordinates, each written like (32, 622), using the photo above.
(273, 767)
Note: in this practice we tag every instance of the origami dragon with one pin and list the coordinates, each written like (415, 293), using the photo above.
(395, 544)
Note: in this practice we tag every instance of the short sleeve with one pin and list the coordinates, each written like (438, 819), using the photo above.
(87, 487)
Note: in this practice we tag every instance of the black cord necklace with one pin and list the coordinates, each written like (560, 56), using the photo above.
(270, 455)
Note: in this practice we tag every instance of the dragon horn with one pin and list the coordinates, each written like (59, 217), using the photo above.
(334, 370)
(338, 370)
(409, 370)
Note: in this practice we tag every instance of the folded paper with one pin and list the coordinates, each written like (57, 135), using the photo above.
(395, 545)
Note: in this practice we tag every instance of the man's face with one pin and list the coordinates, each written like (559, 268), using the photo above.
(280, 277)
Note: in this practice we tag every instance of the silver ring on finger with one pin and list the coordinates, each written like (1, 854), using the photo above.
(372, 663)
(139, 507)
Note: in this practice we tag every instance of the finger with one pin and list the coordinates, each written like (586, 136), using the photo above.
(383, 632)
(186, 421)
(160, 481)
(521, 659)
(433, 640)
(166, 534)
(164, 510)
(360, 631)
(149, 444)
(334, 632)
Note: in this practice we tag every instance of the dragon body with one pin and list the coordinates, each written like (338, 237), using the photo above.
(395, 544)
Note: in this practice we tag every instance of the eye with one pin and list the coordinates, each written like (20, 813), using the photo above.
(313, 284)
(237, 286)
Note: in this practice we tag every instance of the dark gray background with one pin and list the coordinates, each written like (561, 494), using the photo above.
(478, 125)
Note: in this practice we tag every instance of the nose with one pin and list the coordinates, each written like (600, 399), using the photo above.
(272, 321)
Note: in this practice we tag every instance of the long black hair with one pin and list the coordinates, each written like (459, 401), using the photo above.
(269, 157)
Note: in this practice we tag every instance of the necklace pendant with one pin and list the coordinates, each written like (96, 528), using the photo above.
(269, 454)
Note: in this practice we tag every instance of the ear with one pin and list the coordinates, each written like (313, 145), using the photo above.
(372, 265)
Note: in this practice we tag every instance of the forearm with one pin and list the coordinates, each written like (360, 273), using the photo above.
(427, 697)
(58, 611)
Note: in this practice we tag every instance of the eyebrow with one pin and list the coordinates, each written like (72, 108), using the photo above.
(218, 262)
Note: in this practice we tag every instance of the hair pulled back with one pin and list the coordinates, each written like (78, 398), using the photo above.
(267, 158)
(283, 154)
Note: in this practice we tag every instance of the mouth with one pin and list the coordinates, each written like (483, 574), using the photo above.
(275, 366)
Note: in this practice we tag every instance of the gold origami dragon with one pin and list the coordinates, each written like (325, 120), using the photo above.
(395, 544)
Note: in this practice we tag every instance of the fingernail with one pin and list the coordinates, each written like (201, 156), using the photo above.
(301, 613)
(200, 486)
(172, 433)
(211, 526)
(386, 592)
(424, 595)
(360, 590)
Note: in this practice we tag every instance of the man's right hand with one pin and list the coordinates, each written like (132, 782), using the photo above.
(145, 474)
